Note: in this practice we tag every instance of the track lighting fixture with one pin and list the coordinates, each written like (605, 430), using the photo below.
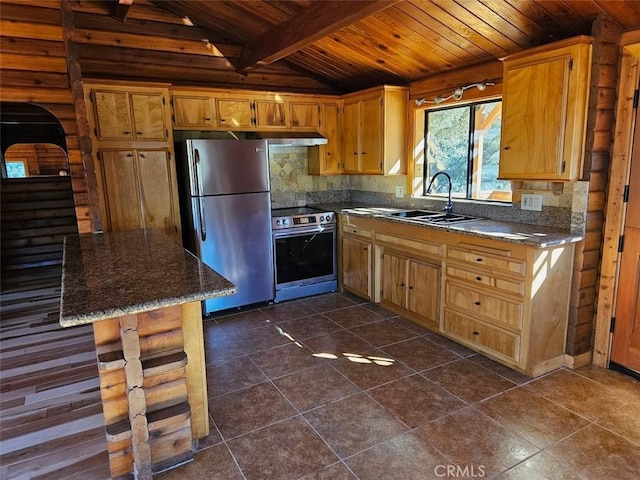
(456, 94)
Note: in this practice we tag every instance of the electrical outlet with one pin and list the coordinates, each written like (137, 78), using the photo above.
(399, 191)
(530, 201)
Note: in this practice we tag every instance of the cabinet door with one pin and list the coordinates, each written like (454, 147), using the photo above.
(371, 136)
(424, 291)
(332, 151)
(119, 174)
(113, 115)
(543, 134)
(192, 112)
(149, 116)
(394, 279)
(356, 265)
(233, 113)
(304, 115)
(157, 193)
(350, 136)
(270, 113)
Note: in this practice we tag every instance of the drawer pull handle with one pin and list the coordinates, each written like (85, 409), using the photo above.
(479, 259)
(476, 333)
(410, 287)
(476, 303)
(402, 284)
(478, 278)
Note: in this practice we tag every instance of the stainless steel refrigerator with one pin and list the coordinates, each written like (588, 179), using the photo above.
(226, 215)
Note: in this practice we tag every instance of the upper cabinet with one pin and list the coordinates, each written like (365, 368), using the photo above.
(544, 111)
(375, 131)
(192, 111)
(129, 115)
(327, 159)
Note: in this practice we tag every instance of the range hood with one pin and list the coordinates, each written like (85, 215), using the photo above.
(292, 139)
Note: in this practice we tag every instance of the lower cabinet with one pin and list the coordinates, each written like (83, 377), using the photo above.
(411, 285)
(506, 300)
(357, 265)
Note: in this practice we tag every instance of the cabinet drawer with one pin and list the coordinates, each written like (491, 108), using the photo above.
(510, 286)
(418, 246)
(501, 342)
(361, 232)
(479, 303)
(494, 261)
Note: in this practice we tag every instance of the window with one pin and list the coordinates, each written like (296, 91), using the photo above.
(465, 143)
(16, 168)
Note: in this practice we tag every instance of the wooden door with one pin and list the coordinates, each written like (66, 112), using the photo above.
(192, 111)
(333, 149)
(118, 171)
(113, 115)
(149, 116)
(157, 193)
(234, 113)
(270, 113)
(356, 265)
(424, 291)
(394, 279)
(350, 136)
(371, 136)
(304, 115)
(625, 347)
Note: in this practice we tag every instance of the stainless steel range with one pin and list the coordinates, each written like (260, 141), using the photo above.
(304, 247)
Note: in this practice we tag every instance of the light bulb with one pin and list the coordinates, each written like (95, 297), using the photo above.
(482, 86)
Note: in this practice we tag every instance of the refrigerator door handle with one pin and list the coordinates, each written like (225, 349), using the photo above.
(196, 169)
(201, 220)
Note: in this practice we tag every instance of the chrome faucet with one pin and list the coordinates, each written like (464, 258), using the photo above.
(449, 205)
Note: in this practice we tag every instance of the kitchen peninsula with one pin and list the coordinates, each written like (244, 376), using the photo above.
(142, 293)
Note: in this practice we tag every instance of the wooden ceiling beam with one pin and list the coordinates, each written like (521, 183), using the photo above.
(121, 9)
(316, 22)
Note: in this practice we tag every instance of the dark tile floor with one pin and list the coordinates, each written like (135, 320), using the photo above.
(332, 388)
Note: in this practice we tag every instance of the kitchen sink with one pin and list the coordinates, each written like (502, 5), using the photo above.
(413, 213)
(425, 216)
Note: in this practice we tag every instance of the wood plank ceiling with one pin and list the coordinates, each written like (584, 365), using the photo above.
(372, 42)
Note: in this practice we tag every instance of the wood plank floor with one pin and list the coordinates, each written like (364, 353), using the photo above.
(51, 424)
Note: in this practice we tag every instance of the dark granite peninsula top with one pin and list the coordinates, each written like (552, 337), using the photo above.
(111, 274)
(525, 234)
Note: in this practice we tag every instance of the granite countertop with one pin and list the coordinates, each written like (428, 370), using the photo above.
(110, 274)
(525, 234)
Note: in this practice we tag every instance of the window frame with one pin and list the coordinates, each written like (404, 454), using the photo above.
(471, 106)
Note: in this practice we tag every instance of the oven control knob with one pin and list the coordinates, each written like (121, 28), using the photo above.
(277, 222)
(328, 218)
(285, 221)
(322, 219)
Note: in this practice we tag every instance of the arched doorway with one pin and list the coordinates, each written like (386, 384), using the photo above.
(37, 205)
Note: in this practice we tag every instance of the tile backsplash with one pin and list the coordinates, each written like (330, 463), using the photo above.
(291, 186)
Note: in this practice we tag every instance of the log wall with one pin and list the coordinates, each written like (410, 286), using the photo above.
(34, 69)
(600, 127)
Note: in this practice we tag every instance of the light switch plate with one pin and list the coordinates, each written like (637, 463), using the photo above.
(530, 201)
(399, 191)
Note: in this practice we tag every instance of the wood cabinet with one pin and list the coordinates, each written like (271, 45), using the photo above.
(135, 168)
(192, 111)
(271, 114)
(129, 115)
(327, 159)
(375, 131)
(506, 300)
(139, 189)
(411, 285)
(357, 261)
(544, 111)
(304, 114)
(234, 113)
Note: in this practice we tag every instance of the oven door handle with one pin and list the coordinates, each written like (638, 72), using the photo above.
(294, 232)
